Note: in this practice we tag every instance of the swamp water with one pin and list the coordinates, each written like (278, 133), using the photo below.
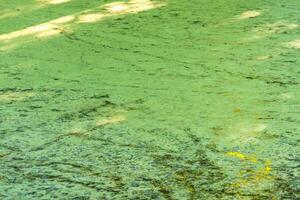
(149, 99)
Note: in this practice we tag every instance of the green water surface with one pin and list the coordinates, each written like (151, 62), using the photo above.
(193, 99)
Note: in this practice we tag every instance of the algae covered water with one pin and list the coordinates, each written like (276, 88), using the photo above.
(143, 99)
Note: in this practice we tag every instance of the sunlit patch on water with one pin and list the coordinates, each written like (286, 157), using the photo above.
(90, 18)
(38, 29)
(57, 26)
(50, 33)
(63, 20)
(53, 1)
(116, 119)
(15, 96)
(116, 7)
(276, 27)
(286, 96)
(264, 57)
(249, 14)
(243, 16)
(293, 44)
(136, 6)
(241, 134)
(8, 14)
(272, 28)
(111, 120)
(7, 47)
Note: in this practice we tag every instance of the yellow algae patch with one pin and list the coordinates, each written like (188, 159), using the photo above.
(111, 120)
(267, 168)
(241, 156)
(254, 175)
(249, 14)
(236, 154)
(259, 175)
(15, 96)
(294, 44)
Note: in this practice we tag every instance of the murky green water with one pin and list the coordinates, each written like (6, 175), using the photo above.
(149, 99)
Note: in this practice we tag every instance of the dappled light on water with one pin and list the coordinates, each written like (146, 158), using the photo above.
(8, 13)
(269, 29)
(276, 27)
(89, 18)
(116, 7)
(131, 99)
(111, 120)
(57, 26)
(38, 29)
(132, 6)
(249, 14)
(294, 44)
(53, 1)
(15, 96)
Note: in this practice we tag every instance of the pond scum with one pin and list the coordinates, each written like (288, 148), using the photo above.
(149, 99)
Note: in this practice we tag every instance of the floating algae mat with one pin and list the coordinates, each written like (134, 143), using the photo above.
(141, 99)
